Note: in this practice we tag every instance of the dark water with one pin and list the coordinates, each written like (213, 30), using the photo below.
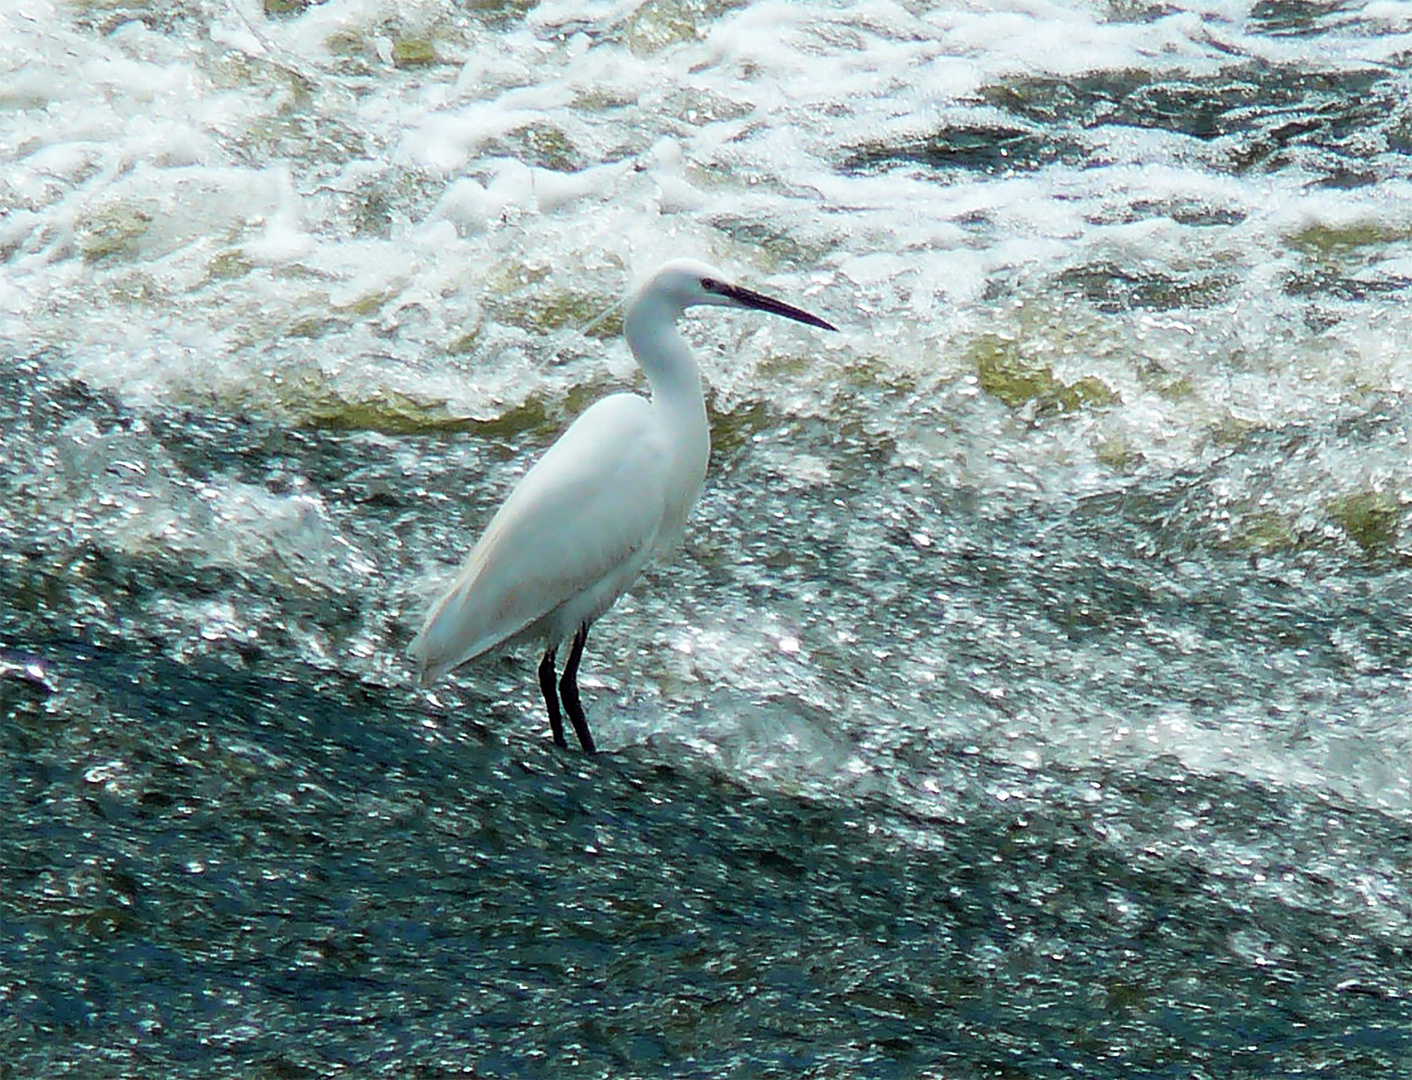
(208, 872)
(227, 859)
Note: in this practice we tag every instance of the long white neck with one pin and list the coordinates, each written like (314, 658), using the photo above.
(650, 326)
(651, 329)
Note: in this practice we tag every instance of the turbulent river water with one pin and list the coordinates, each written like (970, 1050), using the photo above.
(1031, 696)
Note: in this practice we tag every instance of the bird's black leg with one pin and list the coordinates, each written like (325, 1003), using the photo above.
(551, 700)
(569, 691)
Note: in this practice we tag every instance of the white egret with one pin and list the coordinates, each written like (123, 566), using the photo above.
(614, 490)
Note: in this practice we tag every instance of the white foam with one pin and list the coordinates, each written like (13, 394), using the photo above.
(231, 213)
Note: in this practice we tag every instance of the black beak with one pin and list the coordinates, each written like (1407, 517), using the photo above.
(751, 299)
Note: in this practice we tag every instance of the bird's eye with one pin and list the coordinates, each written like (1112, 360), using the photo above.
(710, 284)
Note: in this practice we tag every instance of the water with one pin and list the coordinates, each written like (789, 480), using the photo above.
(1030, 697)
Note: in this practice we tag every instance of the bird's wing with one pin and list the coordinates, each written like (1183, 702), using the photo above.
(590, 507)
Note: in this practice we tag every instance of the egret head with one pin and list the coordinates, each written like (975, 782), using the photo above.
(686, 282)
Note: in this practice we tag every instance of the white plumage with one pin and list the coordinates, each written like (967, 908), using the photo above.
(615, 489)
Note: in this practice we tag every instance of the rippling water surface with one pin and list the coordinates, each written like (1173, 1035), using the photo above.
(1031, 696)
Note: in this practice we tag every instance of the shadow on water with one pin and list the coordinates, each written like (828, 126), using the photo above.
(213, 872)
(1254, 115)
